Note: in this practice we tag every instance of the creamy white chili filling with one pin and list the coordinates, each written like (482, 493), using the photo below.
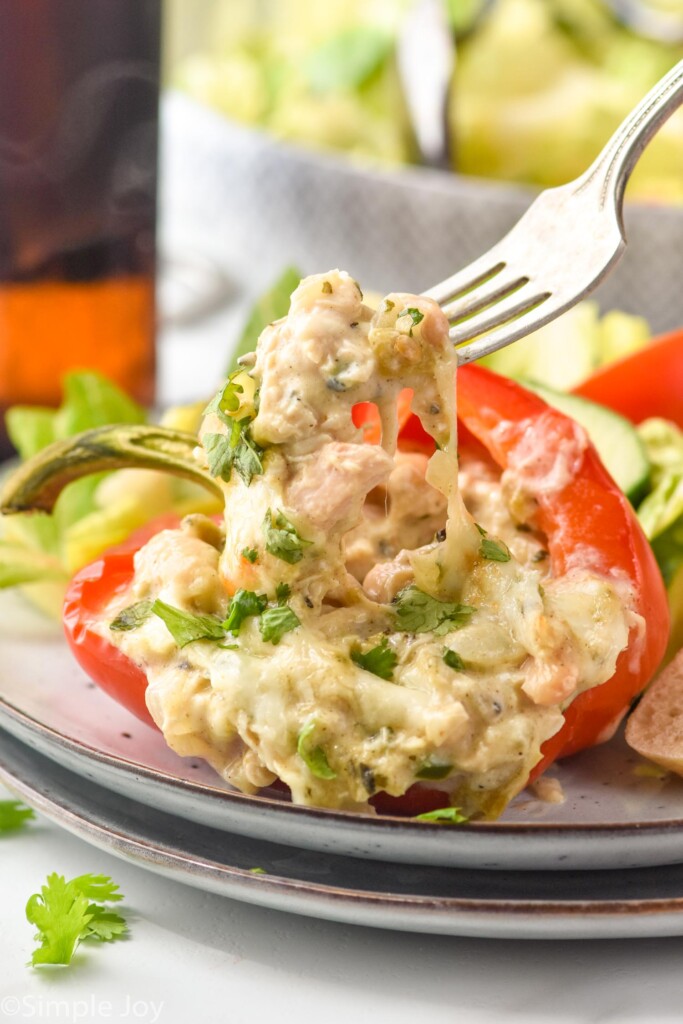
(372, 551)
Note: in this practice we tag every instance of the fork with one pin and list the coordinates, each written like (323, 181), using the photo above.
(560, 249)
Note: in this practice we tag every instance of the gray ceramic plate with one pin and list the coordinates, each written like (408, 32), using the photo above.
(524, 904)
(613, 817)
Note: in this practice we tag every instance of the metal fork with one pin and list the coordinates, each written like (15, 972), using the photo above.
(560, 249)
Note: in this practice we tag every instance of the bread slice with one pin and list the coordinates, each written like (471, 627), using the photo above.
(655, 729)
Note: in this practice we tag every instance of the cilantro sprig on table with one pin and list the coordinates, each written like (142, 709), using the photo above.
(68, 913)
(14, 816)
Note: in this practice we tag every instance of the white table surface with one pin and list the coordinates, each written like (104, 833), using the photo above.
(193, 958)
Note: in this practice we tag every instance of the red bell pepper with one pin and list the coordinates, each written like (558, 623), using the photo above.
(88, 593)
(647, 383)
(587, 521)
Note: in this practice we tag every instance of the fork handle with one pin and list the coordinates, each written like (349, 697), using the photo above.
(612, 168)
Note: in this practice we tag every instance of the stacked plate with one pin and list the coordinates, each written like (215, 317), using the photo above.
(608, 862)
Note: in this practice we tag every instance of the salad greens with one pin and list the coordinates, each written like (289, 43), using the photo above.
(14, 816)
(325, 75)
(272, 305)
(593, 341)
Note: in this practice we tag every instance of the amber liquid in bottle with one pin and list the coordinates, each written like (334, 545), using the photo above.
(79, 85)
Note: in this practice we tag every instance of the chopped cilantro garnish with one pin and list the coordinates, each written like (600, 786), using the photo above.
(277, 621)
(247, 457)
(418, 612)
(238, 449)
(185, 627)
(14, 815)
(66, 913)
(282, 539)
(219, 454)
(445, 815)
(327, 288)
(282, 592)
(379, 660)
(251, 554)
(433, 770)
(453, 660)
(494, 550)
(415, 315)
(257, 871)
(227, 399)
(244, 604)
(132, 616)
(314, 758)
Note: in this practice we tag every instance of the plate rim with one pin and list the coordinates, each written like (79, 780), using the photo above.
(383, 822)
(497, 917)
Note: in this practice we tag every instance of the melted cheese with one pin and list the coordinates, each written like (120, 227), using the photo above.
(369, 518)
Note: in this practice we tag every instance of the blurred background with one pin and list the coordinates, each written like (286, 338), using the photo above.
(398, 139)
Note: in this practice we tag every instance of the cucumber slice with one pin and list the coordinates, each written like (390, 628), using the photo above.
(622, 452)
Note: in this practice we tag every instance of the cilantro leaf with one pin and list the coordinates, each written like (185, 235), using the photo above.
(251, 554)
(282, 592)
(494, 550)
(219, 454)
(282, 539)
(314, 758)
(97, 887)
(60, 913)
(445, 815)
(275, 622)
(453, 660)
(418, 612)
(226, 400)
(244, 604)
(105, 925)
(14, 815)
(65, 913)
(433, 770)
(379, 660)
(132, 616)
(185, 627)
(247, 456)
(415, 315)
